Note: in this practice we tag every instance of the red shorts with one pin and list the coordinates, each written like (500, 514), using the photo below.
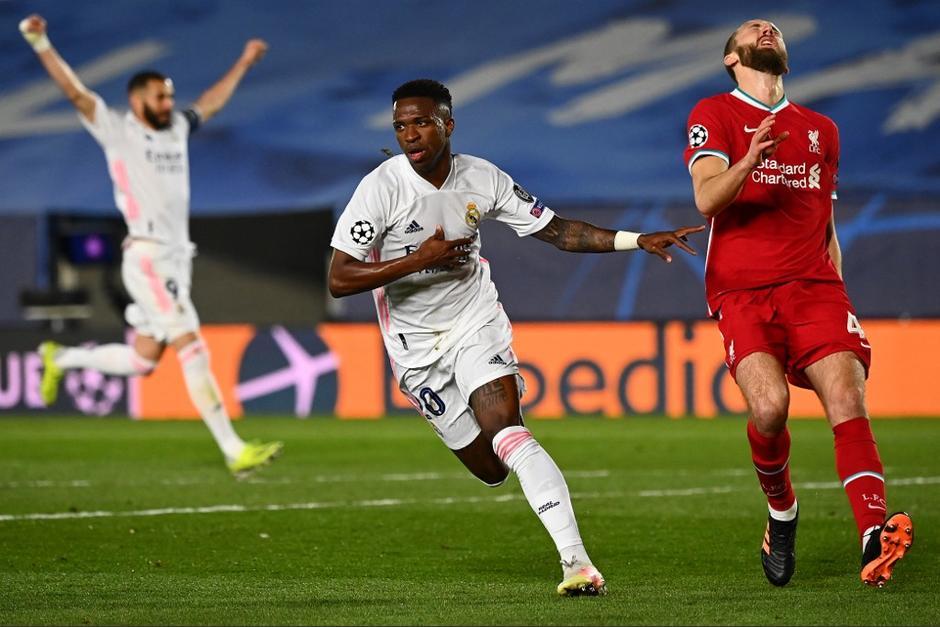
(799, 323)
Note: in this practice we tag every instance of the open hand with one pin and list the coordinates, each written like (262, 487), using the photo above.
(656, 243)
(763, 144)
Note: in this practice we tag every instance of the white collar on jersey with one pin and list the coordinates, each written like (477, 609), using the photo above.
(754, 102)
(449, 181)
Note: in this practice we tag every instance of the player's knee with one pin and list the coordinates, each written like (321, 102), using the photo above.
(192, 355)
(493, 479)
(847, 400)
(769, 413)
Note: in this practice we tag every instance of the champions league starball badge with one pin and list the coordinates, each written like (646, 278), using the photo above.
(698, 135)
(362, 232)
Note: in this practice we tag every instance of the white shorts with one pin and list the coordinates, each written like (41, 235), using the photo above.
(441, 391)
(158, 278)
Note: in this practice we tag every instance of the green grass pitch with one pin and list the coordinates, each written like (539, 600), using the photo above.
(375, 522)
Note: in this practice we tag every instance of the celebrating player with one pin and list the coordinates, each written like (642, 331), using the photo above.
(409, 234)
(147, 155)
(764, 172)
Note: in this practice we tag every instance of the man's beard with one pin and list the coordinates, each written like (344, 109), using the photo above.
(154, 120)
(765, 60)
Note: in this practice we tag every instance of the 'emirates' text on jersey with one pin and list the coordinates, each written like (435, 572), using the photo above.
(149, 169)
(394, 210)
(775, 230)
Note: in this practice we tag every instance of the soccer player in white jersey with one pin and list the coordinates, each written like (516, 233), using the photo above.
(409, 234)
(147, 155)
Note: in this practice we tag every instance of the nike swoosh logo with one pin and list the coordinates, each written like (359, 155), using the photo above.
(870, 506)
(748, 129)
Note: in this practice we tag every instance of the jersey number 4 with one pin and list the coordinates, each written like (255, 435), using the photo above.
(852, 326)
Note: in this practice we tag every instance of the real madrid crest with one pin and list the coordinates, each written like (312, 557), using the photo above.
(473, 215)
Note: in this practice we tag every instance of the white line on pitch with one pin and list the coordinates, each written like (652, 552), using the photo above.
(277, 507)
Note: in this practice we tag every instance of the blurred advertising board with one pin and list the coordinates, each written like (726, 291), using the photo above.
(607, 369)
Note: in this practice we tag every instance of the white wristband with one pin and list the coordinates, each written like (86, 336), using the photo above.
(626, 240)
(39, 41)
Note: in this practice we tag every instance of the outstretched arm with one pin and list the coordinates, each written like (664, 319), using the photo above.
(350, 276)
(716, 185)
(33, 29)
(581, 237)
(213, 99)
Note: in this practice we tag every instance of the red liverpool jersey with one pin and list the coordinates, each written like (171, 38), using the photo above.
(775, 230)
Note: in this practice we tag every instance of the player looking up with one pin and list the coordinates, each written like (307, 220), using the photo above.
(147, 154)
(410, 234)
(764, 173)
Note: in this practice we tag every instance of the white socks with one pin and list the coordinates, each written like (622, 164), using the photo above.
(544, 488)
(205, 395)
(785, 515)
(116, 359)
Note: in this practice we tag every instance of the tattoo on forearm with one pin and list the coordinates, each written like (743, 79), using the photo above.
(576, 236)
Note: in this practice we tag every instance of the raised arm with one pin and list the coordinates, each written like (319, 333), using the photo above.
(581, 237)
(716, 185)
(213, 99)
(33, 29)
(350, 276)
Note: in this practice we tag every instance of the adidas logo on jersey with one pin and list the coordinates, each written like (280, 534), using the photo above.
(496, 360)
(414, 227)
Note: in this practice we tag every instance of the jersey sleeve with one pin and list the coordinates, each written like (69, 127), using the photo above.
(192, 118)
(514, 206)
(361, 225)
(107, 122)
(706, 134)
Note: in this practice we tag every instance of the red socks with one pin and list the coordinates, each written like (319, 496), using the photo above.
(860, 470)
(771, 457)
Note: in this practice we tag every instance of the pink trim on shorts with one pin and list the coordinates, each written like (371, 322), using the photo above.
(123, 183)
(164, 303)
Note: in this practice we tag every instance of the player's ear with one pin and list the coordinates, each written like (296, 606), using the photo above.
(448, 127)
(731, 59)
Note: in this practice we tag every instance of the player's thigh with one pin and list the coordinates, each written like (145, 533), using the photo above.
(820, 322)
(839, 380)
(487, 372)
(764, 386)
(434, 393)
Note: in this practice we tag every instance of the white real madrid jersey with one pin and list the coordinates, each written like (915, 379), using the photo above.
(394, 210)
(149, 169)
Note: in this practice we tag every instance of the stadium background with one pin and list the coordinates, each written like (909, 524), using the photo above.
(584, 108)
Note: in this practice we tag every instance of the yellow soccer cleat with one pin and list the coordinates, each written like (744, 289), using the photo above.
(254, 456)
(587, 581)
(51, 372)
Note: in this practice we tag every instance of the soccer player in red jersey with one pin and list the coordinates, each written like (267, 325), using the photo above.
(764, 173)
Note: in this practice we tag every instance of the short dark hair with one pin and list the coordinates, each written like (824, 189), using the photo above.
(141, 79)
(729, 48)
(425, 88)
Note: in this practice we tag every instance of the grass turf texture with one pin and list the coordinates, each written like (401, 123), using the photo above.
(391, 530)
